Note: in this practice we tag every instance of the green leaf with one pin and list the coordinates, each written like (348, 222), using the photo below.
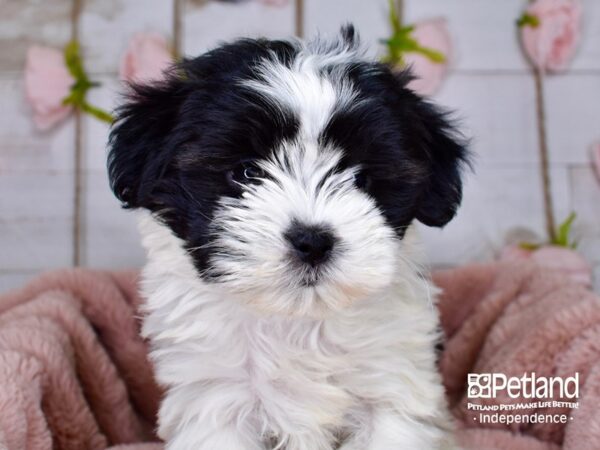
(434, 55)
(78, 92)
(527, 19)
(97, 113)
(403, 42)
(563, 232)
(73, 61)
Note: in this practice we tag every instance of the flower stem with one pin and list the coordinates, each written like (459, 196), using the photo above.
(299, 25)
(77, 226)
(400, 11)
(544, 156)
(177, 27)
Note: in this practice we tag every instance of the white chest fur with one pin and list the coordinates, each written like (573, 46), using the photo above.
(299, 382)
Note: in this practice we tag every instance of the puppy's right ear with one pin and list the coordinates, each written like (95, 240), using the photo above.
(139, 151)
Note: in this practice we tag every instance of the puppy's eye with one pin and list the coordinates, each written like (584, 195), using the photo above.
(245, 173)
(253, 172)
(362, 180)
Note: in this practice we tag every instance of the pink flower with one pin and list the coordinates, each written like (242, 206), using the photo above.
(47, 83)
(146, 58)
(596, 159)
(551, 43)
(432, 34)
(552, 257)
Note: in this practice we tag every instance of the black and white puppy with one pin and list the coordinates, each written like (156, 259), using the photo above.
(284, 305)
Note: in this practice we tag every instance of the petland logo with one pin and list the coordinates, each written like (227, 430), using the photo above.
(489, 385)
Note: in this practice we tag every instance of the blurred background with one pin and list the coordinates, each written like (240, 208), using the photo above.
(56, 208)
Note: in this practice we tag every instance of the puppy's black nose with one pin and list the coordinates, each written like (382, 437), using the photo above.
(312, 244)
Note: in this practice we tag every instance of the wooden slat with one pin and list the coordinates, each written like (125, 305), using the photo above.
(112, 239)
(588, 56)
(585, 191)
(205, 24)
(35, 167)
(25, 23)
(110, 235)
(497, 112)
(107, 26)
(369, 18)
(573, 111)
(483, 31)
(95, 133)
(35, 219)
(496, 200)
(22, 147)
(14, 280)
(35, 195)
(35, 186)
(36, 243)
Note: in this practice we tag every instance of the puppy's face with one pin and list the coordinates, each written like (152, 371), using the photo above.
(289, 171)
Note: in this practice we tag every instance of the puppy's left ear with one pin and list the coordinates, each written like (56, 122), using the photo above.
(433, 137)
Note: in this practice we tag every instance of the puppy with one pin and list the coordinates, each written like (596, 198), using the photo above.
(284, 306)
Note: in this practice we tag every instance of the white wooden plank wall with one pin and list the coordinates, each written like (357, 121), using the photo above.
(490, 88)
(35, 169)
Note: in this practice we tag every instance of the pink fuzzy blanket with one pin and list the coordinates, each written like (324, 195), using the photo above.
(74, 373)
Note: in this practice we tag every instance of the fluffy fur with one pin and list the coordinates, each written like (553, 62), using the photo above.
(243, 160)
